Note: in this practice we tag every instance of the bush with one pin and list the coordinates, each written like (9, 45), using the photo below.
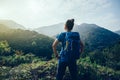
(4, 48)
(46, 70)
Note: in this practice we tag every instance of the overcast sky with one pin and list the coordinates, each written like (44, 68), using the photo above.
(37, 13)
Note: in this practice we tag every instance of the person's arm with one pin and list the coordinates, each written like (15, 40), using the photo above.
(54, 45)
(82, 46)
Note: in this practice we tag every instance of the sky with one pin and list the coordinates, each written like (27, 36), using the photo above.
(37, 13)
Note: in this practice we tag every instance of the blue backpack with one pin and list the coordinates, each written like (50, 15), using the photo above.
(71, 50)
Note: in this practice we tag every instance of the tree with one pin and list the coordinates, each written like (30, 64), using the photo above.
(4, 48)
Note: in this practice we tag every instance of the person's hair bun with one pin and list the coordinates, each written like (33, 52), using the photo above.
(72, 20)
(69, 24)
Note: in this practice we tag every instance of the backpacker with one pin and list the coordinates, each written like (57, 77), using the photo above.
(71, 49)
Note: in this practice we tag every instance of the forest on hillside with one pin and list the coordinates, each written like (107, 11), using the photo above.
(27, 55)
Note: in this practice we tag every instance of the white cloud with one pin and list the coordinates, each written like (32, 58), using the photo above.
(36, 13)
(108, 21)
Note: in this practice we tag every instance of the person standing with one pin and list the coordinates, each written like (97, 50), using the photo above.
(71, 49)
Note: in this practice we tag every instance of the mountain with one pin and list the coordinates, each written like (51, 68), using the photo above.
(27, 41)
(92, 35)
(118, 32)
(95, 36)
(51, 30)
(11, 24)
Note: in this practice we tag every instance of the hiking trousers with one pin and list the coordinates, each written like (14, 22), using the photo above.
(72, 66)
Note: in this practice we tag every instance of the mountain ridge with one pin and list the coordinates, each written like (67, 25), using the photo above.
(47, 30)
(12, 24)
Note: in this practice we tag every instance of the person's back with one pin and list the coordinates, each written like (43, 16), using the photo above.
(70, 50)
(70, 46)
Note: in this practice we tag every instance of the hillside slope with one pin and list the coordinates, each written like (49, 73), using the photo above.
(11, 24)
(95, 36)
(27, 41)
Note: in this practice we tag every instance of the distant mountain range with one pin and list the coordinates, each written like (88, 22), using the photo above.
(11, 24)
(91, 34)
(94, 36)
(51, 30)
(118, 32)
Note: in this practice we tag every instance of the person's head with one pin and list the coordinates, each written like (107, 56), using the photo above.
(69, 24)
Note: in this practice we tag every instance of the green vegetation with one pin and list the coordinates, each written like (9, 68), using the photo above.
(107, 57)
(27, 41)
(21, 66)
(4, 48)
(46, 70)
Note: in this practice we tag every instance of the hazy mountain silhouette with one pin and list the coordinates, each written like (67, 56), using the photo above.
(11, 24)
(51, 30)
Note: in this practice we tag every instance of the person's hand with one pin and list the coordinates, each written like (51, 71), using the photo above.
(57, 56)
(81, 50)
